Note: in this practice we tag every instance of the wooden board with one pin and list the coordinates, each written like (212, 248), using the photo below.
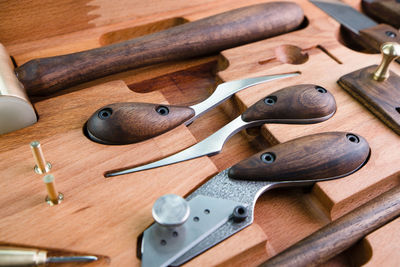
(104, 217)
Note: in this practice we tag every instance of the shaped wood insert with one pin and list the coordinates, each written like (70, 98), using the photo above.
(381, 98)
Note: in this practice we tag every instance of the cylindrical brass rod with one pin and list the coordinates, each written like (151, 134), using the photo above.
(53, 197)
(41, 165)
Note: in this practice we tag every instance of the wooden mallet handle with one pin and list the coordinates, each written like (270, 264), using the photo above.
(206, 36)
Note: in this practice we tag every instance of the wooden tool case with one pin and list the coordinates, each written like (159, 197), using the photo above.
(104, 216)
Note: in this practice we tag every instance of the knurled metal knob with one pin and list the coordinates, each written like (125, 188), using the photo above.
(390, 51)
(171, 210)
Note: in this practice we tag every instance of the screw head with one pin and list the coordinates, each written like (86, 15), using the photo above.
(105, 113)
(162, 110)
(239, 213)
(171, 210)
(268, 157)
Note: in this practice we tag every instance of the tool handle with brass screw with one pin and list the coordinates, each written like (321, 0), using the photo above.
(390, 51)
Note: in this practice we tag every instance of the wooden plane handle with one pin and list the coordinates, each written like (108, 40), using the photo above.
(339, 235)
(385, 11)
(313, 158)
(206, 36)
(127, 123)
(298, 104)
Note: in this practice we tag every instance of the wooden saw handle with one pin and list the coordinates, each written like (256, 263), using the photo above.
(206, 36)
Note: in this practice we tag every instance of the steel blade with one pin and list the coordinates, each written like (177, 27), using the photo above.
(345, 15)
(219, 196)
(227, 89)
(209, 146)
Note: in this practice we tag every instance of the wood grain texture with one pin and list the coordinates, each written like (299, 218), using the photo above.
(317, 157)
(340, 234)
(381, 246)
(321, 68)
(29, 20)
(127, 123)
(385, 11)
(305, 103)
(381, 98)
(284, 216)
(86, 220)
(210, 35)
(376, 36)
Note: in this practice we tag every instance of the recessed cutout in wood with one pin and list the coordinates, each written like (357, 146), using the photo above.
(291, 54)
(137, 31)
(349, 39)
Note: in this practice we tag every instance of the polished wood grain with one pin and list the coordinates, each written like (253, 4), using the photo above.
(127, 123)
(315, 157)
(282, 216)
(305, 103)
(381, 98)
(90, 219)
(206, 36)
(385, 11)
(340, 234)
(376, 36)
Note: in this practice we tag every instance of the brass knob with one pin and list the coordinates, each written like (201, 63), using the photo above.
(390, 51)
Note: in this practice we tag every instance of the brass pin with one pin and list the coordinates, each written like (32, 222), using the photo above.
(390, 51)
(41, 166)
(53, 197)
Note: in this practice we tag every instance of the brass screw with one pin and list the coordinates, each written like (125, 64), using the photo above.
(390, 51)
(53, 197)
(41, 166)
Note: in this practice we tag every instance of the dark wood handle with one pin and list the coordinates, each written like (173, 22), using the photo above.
(374, 37)
(384, 11)
(305, 103)
(339, 235)
(312, 158)
(126, 123)
(210, 35)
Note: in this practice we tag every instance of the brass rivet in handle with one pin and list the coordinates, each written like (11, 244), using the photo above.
(53, 197)
(390, 51)
(41, 166)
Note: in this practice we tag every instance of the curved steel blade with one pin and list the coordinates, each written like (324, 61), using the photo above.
(227, 89)
(208, 147)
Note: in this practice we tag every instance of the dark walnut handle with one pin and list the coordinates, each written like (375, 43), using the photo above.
(299, 104)
(376, 36)
(385, 11)
(126, 123)
(313, 158)
(206, 36)
(339, 235)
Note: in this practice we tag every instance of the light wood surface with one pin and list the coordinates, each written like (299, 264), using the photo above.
(104, 217)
